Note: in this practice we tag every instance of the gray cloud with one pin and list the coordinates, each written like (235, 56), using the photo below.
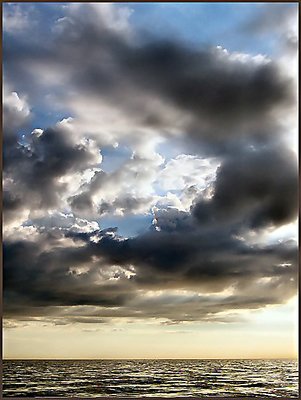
(215, 102)
(253, 189)
(279, 20)
(36, 167)
(108, 271)
(275, 18)
(217, 97)
(119, 191)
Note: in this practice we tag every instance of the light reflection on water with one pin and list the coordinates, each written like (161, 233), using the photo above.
(164, 378)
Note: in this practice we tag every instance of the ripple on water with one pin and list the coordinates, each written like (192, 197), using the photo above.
(164, 378)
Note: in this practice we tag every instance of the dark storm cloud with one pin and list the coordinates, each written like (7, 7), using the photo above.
(254, 189)
(226, 106)
(11, 204)
(222, 100)
(208, 260)
(179, 259)
(216, 97)
(224, 97)
(48, 277)
(36, 167)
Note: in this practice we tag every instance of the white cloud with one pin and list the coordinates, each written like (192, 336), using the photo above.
(236, 56)
(16, 18)
(13, 101)
(16, 110)
(185, 170)
(99, 16)
(137, 110)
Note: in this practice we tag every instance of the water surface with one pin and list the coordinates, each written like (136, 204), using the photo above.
(164, 378)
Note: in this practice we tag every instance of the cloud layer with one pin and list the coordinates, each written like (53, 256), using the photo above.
(196, 139)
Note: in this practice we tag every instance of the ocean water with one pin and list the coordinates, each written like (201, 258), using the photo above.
(146, 378)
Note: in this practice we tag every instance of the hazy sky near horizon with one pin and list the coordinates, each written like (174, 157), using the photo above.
(150, 182)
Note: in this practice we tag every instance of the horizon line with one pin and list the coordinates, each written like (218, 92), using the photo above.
(145, 358)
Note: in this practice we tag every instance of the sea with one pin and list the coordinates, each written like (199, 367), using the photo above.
(150, 378)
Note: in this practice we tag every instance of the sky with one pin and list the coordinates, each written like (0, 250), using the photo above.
(150, 180)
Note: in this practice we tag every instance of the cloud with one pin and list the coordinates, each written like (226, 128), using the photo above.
(232, 177)
(278, 25)
(185, 171)
(102, 18)
(15, 19)
(124, 191)
(253, 189)
(35, 168)
(162, 87)
(16, 111)
(279, 19)
(105, 270)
